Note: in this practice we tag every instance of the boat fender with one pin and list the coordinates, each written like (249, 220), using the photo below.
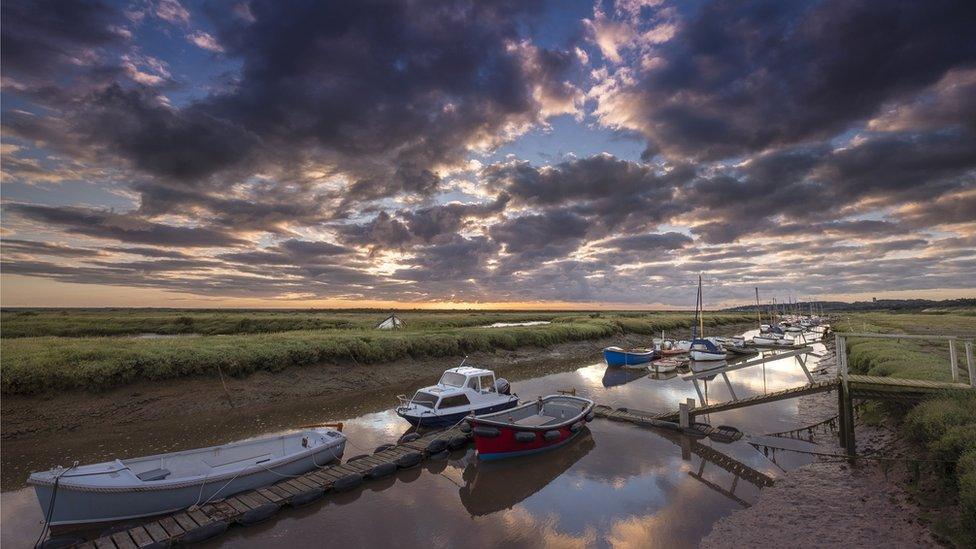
(442, 455)
(407, 461)
(61, 542)
(409, 437)
(258, 514)
(577, 426)
(525, 436)
(465, 427)
(204, 532)
(457, 442)
(382, 470)
(552, 435)
(383, 448)
(306, 497)
(486, 432)
(590, 416)
(347, 482)
(354, 458)
(436, 446)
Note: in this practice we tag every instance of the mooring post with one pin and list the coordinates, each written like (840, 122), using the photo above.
(953, 361)
(850, 445)
(841, 424)
(684, 420)
(970, 364)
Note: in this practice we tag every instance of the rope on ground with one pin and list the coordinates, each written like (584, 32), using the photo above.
(846, 457)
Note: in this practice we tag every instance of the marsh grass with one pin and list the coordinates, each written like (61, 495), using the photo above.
(33, 365)
(945, 427)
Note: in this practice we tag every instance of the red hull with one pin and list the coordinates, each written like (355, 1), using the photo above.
(495, 440)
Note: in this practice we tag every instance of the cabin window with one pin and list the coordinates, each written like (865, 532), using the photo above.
(487, 384)
(473, 383)
(452, 379)
(454, 401)
(426, 400)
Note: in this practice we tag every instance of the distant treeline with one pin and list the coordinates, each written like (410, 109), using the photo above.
(874, 305)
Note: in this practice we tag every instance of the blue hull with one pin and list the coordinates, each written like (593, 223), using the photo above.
(451, 419)
(625, 358)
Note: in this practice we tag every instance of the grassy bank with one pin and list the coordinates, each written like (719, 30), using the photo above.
(33, 365)
(945, 427)
(121, 322)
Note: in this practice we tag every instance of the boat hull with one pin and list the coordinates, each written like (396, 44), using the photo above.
(447, 420)
(500, 437)
(620, 357)
(705, 356)
(76, 505)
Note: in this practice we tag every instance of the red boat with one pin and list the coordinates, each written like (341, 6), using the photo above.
(534, 427)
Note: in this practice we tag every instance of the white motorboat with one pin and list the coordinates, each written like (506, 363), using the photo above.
(146, 486)
(461, 391)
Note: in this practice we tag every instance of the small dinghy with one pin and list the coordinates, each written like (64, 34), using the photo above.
(165, 483)
(461, 391)
(530, 428)
(665, 365)
(615, 356)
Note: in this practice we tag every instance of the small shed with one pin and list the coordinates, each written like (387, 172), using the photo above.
(392, 322)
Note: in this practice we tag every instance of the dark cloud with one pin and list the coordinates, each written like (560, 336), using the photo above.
(739, 77)
(40, 37)
(32, 248)
(648, 242)
(122, 227)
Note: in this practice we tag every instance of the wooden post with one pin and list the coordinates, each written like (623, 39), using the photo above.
(840, 348)
(803, 364)
(970, 364)
(953, 361)
(684, 418)
(841, 424)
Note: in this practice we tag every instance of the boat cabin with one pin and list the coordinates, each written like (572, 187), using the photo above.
(459, 392)
(455, 387)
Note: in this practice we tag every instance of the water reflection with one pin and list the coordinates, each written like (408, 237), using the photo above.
(493, 486)
(613, 377)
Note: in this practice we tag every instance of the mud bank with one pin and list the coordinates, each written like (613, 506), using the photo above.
(831, 503)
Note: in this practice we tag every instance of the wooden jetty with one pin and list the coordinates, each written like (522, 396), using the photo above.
(214, 518)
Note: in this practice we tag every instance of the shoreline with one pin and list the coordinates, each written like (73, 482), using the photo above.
(154, 417)
(830, 503)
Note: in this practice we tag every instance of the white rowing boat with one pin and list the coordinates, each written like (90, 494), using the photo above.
(165, 483)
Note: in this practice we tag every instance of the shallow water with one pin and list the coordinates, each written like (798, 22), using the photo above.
(617, 485)
(510, 324)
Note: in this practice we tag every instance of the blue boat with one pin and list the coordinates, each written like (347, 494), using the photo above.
(615, 356)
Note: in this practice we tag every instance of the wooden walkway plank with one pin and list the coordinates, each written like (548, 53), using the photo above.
(185, 522)
(246, 499)
(123, 541)
(199, 517)
(155, 531)
(172, 528)
(105, 543)
(140, 536)
(237, 504)
(271, 496)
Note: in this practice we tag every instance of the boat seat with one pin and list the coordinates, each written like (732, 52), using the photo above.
(155, 474)
(537, 420)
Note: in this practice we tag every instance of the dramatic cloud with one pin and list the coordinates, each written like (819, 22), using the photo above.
(491, 151)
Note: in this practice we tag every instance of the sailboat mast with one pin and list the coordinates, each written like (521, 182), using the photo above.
(701, 301)
(758, 308)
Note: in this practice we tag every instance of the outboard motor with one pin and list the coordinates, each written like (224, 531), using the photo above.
(502, 386)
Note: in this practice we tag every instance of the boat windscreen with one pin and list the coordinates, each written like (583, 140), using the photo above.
(426, 400)
(452, 379)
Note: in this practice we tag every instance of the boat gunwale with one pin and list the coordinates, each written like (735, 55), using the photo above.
(474, 420)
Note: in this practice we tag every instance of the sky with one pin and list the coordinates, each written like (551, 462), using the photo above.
(515, 154)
